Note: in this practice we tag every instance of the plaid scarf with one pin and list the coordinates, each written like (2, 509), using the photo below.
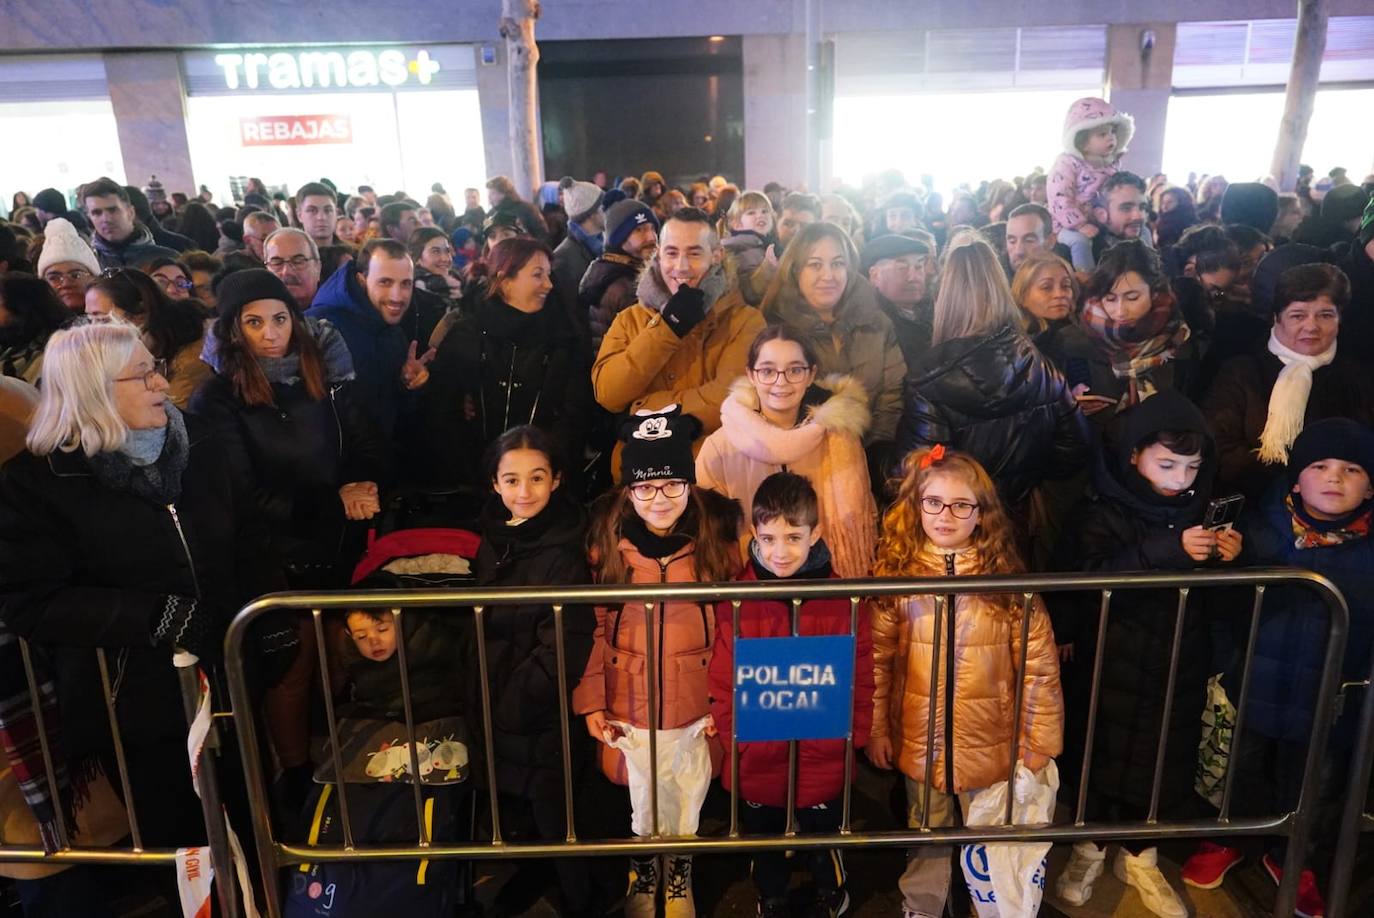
(1308, 535)
(1136, 348)
(19, 736)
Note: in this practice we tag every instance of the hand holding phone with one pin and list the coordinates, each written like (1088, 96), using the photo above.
(1223, 513)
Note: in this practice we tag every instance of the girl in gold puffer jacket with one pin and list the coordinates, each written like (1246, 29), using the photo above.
(948, 520)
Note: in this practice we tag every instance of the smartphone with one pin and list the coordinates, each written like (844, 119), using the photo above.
(1077, 372)
(1224, 512)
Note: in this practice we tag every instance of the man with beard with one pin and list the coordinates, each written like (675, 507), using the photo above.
(117, 237)
(902, 270)
(608, 286)
(1120, 208)
(687, 338)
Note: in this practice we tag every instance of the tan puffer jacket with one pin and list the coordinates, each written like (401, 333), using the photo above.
(987, 652)
(826, 448)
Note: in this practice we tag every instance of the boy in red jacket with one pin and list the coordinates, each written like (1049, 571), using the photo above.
(787, 545)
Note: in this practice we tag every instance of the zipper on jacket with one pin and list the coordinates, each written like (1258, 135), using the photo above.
(949, 683)
(186, 547)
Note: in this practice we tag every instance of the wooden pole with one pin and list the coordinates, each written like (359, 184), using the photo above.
(522, 62)
(1308, 48)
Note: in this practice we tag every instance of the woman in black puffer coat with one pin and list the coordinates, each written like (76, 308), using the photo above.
(280, 400)
(511, 362)
(983, 388)
(534, 534)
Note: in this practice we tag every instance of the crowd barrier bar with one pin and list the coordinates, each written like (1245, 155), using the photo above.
(1355, 819)
(1296, 825)
(136, 855)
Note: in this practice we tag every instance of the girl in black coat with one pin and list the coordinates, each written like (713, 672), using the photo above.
(1149, 494)
(534, 534)
(511, 362)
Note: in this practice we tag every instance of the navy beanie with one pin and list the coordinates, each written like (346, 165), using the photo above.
(1332, 438)
(623, 218)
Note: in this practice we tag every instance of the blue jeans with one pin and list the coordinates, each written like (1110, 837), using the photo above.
(1080, 249)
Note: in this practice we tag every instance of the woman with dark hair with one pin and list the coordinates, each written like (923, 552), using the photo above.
(1177, 212)
(203, 267)
(198, 224)
(173, 330)
(1141, 341)
(1259, 403)
(510, 362)
(819, 291)
(172, 276)
(30, 311)
(432, 253)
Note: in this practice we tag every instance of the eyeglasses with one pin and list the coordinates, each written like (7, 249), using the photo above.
(769, 375)
(168, 283)
(159, 370)
(74, 276)
(961, 509)
(670, 490)
(298, 262)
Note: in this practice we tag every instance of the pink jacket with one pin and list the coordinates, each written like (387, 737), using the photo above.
(1073, 181)
(616, 679)
(826, 448)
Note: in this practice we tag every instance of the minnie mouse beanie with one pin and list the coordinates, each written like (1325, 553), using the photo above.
(658, 444)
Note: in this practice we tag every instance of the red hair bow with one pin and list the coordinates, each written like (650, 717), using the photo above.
(937, 452)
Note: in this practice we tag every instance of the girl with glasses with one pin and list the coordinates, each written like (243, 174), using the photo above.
(172, 330)
(780, 417)
(659, 526)
(947, 520)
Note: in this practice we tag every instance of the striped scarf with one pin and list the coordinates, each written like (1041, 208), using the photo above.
(19, 735)
(1136, 348)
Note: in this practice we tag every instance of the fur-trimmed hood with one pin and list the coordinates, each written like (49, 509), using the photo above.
(1091, 112)
(836, 403)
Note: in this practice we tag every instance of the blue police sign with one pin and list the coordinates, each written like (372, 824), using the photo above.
(793, 688)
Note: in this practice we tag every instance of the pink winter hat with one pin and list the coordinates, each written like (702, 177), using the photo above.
(1091, 112)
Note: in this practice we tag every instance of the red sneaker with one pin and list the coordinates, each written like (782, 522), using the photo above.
(1208, 866)
(1310, 901)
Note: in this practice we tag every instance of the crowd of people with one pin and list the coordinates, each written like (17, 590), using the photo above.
(628, 382)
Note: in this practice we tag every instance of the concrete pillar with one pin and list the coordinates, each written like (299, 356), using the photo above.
(775, 110)
(1140, 84)
(149, 102)
(493, 96)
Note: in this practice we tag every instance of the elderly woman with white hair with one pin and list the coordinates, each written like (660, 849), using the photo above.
(122, 527)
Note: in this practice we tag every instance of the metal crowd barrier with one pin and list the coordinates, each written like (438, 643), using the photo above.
(136, 855)
(274, 854)
(1356, 819)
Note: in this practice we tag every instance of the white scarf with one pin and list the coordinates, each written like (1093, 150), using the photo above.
(1288, 400)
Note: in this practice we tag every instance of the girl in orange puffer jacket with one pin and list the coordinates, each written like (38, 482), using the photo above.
(658, 527)
(948, 520)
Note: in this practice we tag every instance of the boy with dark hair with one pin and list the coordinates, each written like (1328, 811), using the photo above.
(787, 544)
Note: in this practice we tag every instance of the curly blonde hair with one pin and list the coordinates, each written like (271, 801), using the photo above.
(904, 538)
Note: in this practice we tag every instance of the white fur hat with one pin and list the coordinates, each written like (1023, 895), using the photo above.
(61, 242)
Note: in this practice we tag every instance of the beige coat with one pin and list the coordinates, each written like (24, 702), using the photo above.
(987, 652)
(826, 448)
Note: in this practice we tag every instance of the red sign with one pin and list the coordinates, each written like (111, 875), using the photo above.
(295, 130)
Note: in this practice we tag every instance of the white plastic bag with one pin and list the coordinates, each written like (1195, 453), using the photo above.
(1007, 880)
(684, 774)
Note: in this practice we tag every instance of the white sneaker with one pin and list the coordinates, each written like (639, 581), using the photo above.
(1075, 883)
(1142, 871)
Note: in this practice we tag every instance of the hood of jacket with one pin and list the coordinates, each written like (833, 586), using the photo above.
(985, 376)
(343, 292)
(858, 308)
(653, 292)
(604, 271)
(1116, 479)
(1091, 112)
(836, 403)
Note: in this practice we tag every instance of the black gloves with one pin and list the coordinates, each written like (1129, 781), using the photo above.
(685, 310)
(183, 622)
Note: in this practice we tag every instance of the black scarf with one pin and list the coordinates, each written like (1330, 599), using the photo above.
(815, 567)
(159, 481)
(505, 322)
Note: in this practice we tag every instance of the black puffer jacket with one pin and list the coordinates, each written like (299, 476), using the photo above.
(546, 551)
(83, 565)
(498, 369)
(606, 290)
(297, 453)
(1123, 525)
(997, 398)
(437, 644)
